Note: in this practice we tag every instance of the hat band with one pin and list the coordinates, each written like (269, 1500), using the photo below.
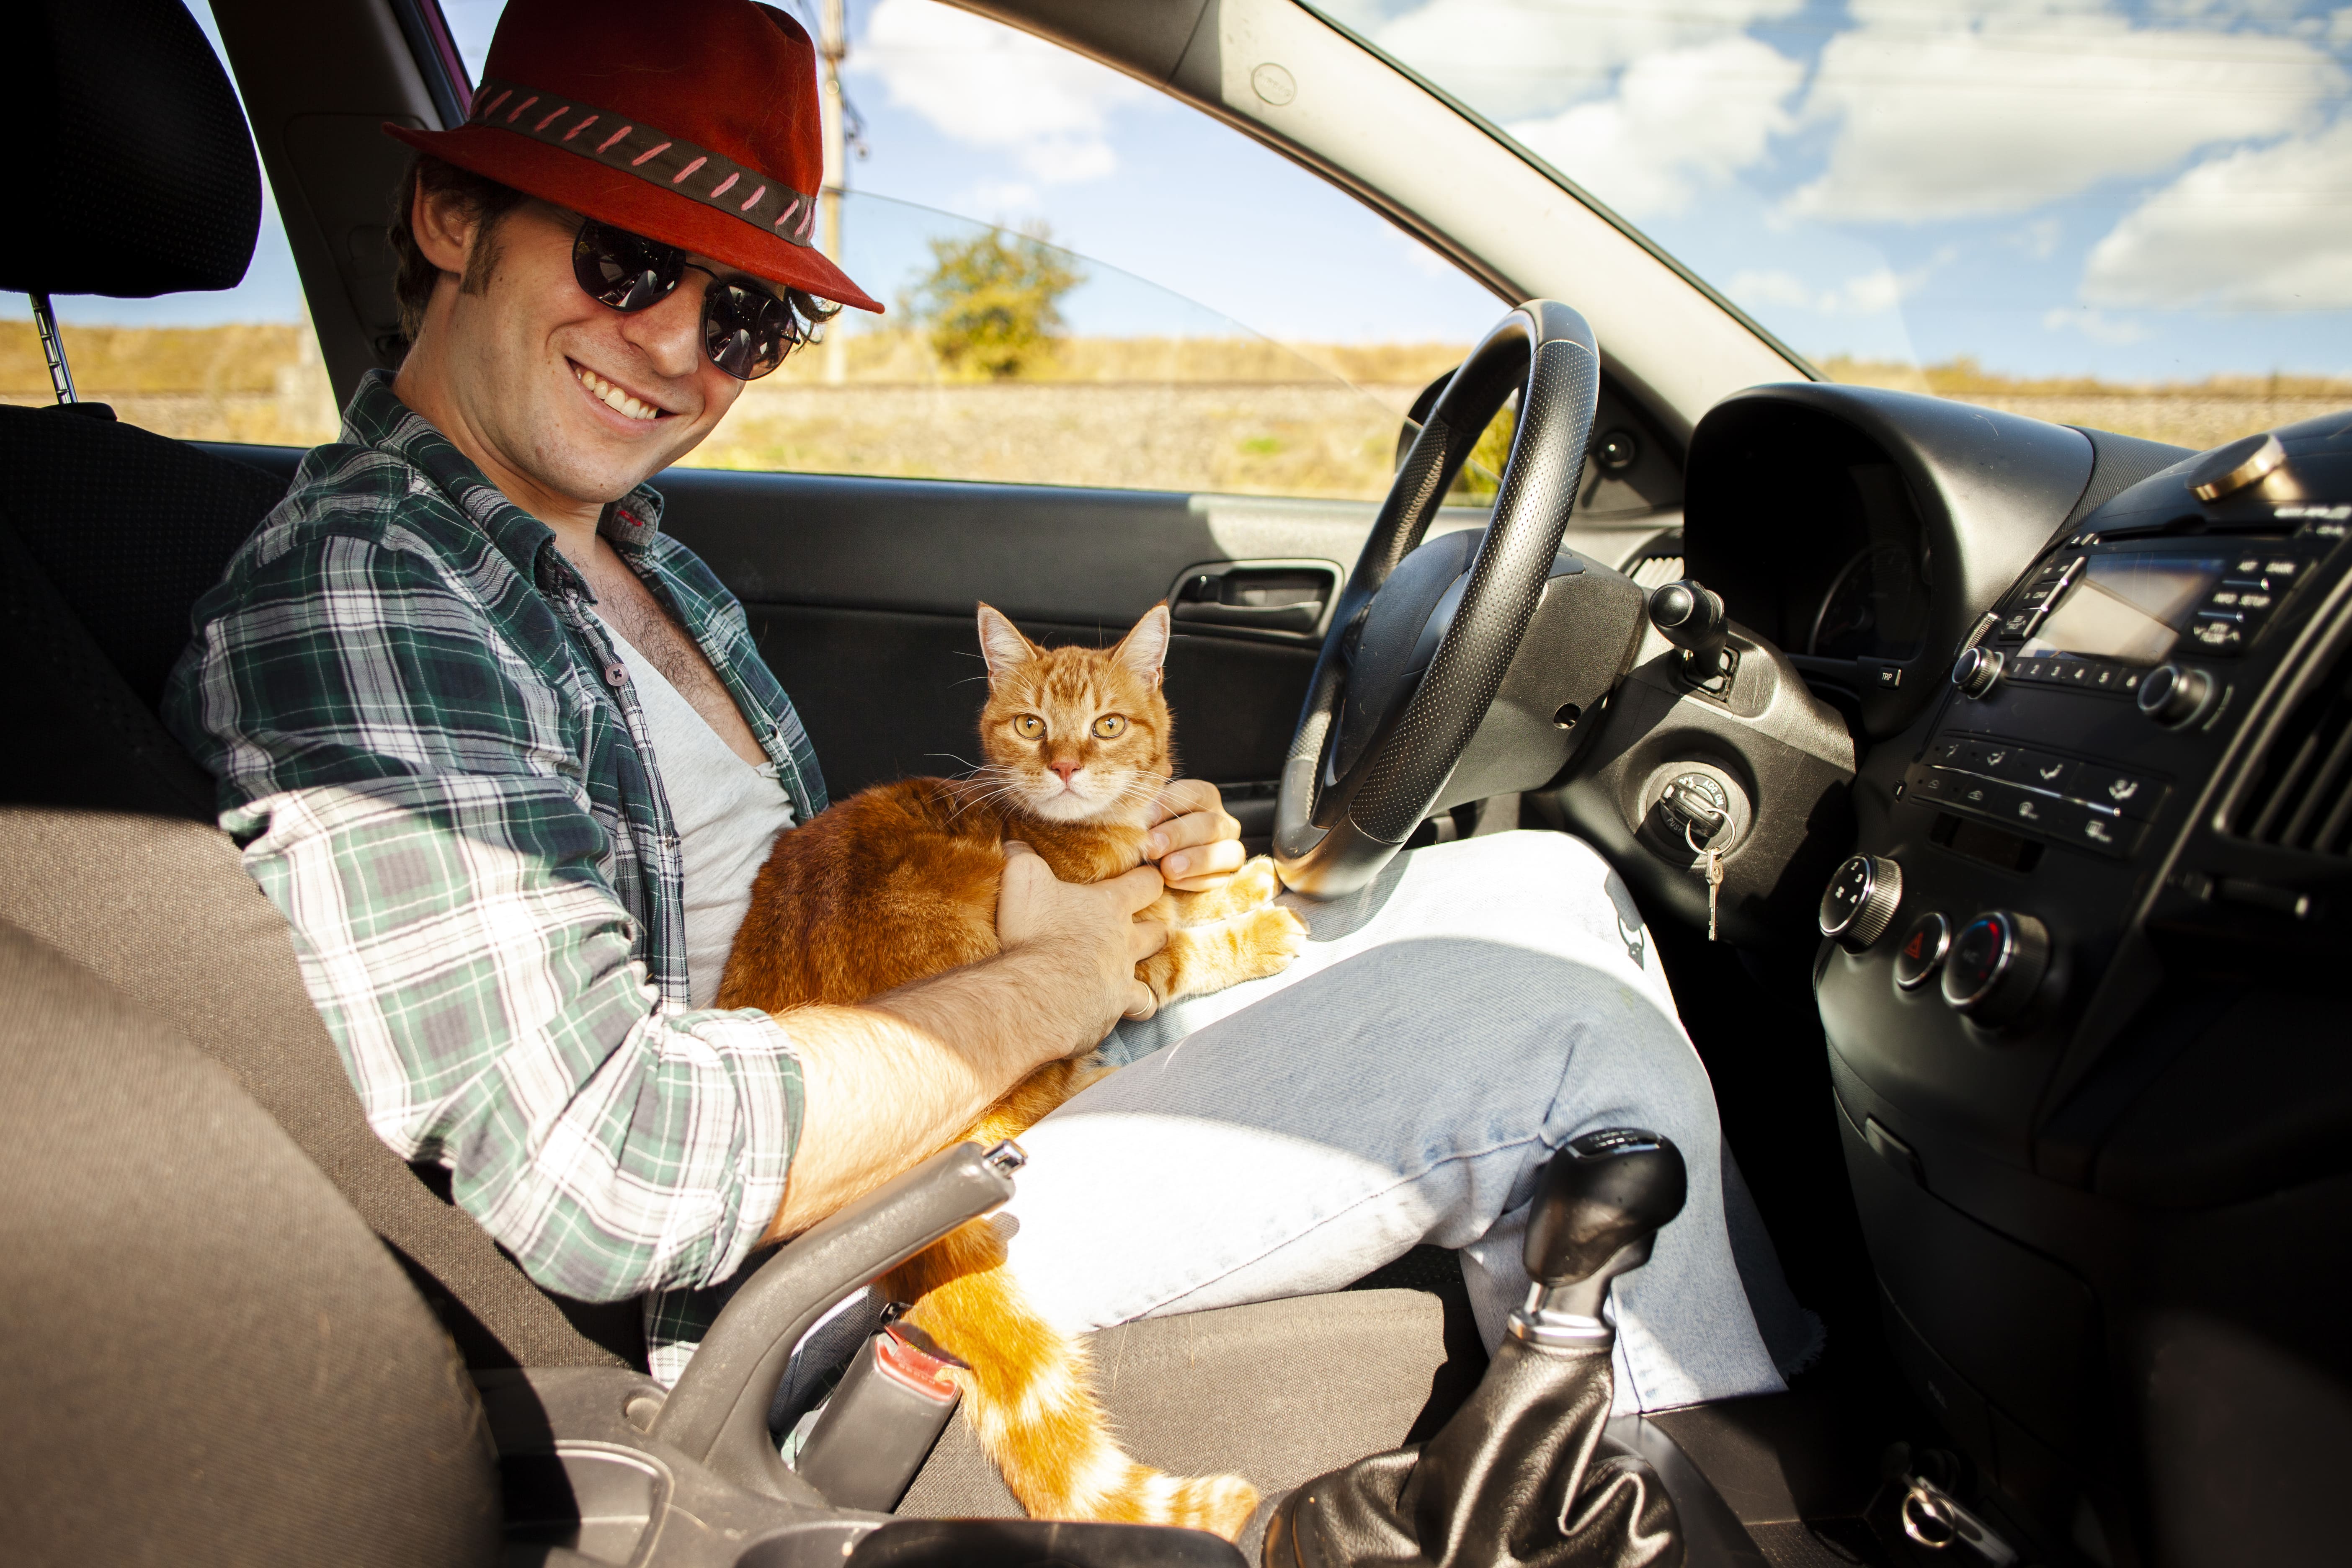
(655, 156)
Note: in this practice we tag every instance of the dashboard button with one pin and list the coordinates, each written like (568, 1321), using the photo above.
(2042, 771)
(1860, 898)
(1922, 951)
(1994, 759)
(1988, 796)
(2101, 832)
(2218, 631)
(1949, 752)
(1995, 966)
(2174, 694)
(1936, 785)
(2028, 808)
(1977, 671)
(2118, 791)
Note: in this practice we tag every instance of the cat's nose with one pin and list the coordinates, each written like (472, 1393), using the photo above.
(1064, 769)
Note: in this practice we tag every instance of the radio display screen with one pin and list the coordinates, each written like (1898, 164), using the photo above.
(2128, 607)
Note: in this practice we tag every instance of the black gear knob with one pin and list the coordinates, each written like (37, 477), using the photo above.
(1692, 619)
(1604, 1193)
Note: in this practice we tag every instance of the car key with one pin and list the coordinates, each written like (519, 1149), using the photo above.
(1714, 888)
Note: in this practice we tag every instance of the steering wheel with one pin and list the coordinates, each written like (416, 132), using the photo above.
(1419, 647)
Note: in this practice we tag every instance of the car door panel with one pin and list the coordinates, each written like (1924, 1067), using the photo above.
(860, 594)
(889, 693)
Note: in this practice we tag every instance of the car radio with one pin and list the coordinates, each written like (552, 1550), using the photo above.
(1992, 977)
(2160, 620)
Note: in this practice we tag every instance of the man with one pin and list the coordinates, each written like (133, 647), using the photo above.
(506, 757)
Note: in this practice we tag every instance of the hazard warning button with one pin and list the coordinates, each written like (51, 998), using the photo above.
(1921, 951)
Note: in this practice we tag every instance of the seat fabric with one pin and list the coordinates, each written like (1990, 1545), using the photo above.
(107, 850)
(214, 1361)
(1276, 1392)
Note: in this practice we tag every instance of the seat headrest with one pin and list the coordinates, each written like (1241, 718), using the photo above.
(136, 176)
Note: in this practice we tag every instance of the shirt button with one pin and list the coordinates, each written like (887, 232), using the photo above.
(616, 676)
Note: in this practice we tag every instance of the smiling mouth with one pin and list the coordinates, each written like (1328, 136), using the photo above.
(613, 397)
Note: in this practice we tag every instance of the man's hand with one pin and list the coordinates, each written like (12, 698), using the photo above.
(1197, 845)
(1089, 934)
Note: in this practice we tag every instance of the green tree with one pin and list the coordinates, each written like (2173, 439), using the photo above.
(990, 304)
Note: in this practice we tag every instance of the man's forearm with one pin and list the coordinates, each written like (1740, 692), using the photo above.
(888, 1082)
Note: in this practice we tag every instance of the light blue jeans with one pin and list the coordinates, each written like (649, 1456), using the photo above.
(1447, 1030)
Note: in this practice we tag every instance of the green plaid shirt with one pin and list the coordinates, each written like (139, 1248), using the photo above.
(438, 770)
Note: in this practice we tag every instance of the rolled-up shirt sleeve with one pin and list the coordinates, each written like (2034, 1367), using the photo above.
(409, 792)
(479, 980)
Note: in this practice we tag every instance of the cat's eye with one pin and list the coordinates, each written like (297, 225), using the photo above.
(1108, 726)
(1028, 726)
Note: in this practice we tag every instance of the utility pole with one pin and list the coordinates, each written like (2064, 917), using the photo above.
(832, 48)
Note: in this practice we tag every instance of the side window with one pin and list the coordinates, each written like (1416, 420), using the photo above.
(1089, 283)
(1006, 357)
(239, 366)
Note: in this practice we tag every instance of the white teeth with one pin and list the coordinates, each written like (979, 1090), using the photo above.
(613, 397)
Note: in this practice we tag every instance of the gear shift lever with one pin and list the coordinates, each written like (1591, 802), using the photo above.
(1600, 1208)
(1513, 1477)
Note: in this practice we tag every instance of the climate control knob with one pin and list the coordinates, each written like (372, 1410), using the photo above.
(1996, 966)
(1977, 671)
(2173, 694)
(1860, 900)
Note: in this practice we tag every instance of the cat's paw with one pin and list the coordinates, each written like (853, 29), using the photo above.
(1256, 885)
(1270, 938)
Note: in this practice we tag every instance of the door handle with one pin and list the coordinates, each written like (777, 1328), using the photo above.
(1292, 598)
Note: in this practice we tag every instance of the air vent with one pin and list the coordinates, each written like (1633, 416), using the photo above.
(2302, 795)
(1657, 571)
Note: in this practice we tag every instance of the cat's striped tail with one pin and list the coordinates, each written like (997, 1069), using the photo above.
(1030, 1399)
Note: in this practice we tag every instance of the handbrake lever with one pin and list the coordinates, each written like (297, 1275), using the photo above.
(718, 1413)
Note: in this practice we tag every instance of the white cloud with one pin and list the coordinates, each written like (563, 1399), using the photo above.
(2258, 228)
(1773, 287)
(2340, 27)
(2003, 105)
(1679, 121)
(1880, 291)
(985, 85)
(1005, 201)
(2092, 325)
(1516, 59)
(2039, 240)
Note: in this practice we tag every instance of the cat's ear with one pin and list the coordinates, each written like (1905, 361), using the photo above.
(1145, 646)
(1002, 644)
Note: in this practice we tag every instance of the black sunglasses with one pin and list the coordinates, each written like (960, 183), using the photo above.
(746, 332)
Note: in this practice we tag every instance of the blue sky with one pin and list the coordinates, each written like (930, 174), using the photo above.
(2143, 190)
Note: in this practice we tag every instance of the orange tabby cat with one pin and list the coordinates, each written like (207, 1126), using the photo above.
(899, 882)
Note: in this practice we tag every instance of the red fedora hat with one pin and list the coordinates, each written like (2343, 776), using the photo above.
(690, 122)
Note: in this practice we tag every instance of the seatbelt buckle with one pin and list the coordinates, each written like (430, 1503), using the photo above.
(884, 1419)
(906, 1355)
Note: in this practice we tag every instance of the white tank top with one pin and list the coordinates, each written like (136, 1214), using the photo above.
(727, 812)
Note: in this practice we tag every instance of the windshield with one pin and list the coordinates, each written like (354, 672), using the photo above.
(2131, 215)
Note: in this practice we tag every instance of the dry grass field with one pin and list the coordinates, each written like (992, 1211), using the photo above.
(2196, 414)
(1246, 416)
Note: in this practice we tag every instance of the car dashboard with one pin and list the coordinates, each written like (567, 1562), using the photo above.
(2078, 978)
